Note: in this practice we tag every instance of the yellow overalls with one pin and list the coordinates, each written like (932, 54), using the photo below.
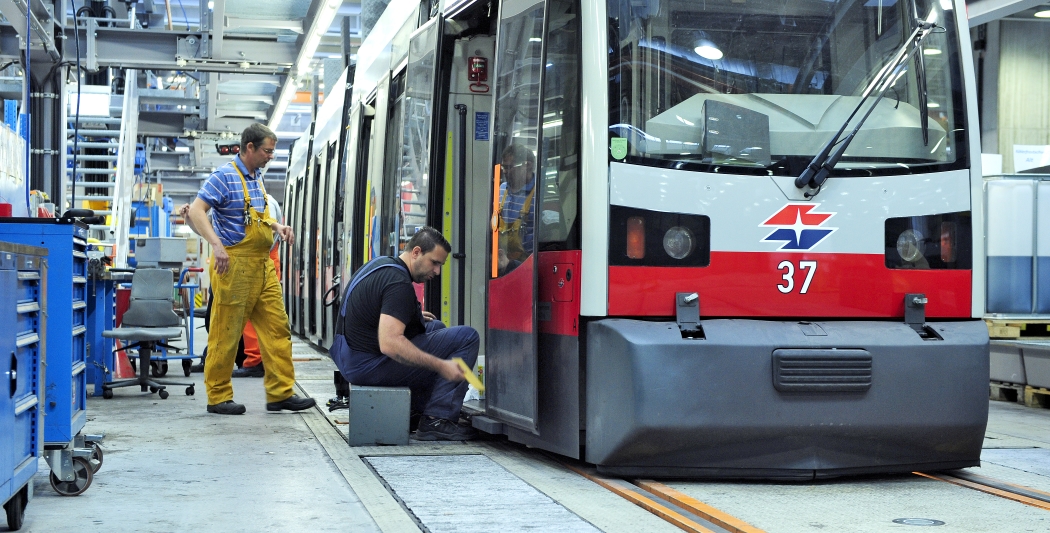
(249, 290)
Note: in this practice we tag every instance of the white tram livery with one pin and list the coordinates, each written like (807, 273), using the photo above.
(699, 239)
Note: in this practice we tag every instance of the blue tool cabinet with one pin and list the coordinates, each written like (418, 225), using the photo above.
(22, 279)
(72, 457)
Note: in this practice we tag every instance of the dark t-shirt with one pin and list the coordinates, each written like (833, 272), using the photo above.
(387, 291)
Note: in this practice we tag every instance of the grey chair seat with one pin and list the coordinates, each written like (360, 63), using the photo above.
(143, 334)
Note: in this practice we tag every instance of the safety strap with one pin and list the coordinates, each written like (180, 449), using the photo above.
(247, 196)
(521, 214)
(366, 271)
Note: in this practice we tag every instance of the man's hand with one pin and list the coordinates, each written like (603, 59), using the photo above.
(428, 316)
(222, 259)
(184, 210)
(284, 232)
(451, 371)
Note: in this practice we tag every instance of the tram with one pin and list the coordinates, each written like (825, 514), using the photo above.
(699, 239)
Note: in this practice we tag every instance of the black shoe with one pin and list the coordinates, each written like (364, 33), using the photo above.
(229, 407)
(294, 403)
(256, 371)
(431, 428)
(199, 367)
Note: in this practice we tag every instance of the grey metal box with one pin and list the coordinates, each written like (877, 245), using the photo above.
(160, 252)
(1006, 363)
(379, 415)
(1037, 365)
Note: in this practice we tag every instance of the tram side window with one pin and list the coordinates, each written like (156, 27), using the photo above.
(516, 130)
(390, 214)
(558, 170)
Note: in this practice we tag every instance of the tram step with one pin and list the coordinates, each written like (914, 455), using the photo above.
(1036, 397)
(1032, 329)
(1006, 392)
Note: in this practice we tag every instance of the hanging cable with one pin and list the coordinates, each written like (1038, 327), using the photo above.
(29, 94)
(76, 113)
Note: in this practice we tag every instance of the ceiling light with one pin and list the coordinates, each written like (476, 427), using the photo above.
(931, 52)
(1043, 14)
(706, 48)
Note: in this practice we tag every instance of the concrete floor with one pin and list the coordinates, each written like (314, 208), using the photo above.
(169, 467)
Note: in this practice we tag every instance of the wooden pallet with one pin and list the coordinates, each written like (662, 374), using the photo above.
(1006, 392)
(1025, 329)
(1036, 397)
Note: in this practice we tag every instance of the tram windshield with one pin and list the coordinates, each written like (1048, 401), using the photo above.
(758, 87)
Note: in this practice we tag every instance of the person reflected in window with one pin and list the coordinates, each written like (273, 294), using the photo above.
(515, 222)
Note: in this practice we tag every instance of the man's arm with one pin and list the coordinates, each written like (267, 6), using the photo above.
(394, 344)
(198, 220)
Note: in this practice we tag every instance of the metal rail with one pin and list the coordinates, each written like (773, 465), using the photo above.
(987, 485)
(666, 495)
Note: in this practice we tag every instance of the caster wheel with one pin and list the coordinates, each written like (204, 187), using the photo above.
(84, 475)
(159, 369)
(189, 390)
(96, 457)
(153, 389)
(186, 364)
(163, 394)
(16, 510)
(107, 394)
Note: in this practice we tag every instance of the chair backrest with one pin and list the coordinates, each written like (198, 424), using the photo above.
(152, 298)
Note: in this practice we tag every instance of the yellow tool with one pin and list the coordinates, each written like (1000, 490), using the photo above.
(471, 378)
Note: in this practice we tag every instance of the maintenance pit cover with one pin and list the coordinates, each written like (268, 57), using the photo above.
(462, 493)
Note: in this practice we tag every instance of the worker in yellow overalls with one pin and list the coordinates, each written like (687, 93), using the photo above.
(243, 279)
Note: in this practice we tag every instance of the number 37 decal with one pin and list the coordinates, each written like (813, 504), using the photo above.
(788, 268)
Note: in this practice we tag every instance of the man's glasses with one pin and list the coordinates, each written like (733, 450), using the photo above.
(507, 168)
(269, 151)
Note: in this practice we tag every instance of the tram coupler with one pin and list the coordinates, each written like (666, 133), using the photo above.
(915, 315)
(687, 311)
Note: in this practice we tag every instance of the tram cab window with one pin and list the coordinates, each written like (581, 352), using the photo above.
(759, 87)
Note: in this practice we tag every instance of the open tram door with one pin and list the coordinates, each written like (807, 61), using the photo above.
(532, 342)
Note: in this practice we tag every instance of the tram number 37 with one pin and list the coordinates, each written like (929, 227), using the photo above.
(788, 268)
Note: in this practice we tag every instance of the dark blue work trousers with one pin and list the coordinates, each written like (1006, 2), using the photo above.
(432, 395)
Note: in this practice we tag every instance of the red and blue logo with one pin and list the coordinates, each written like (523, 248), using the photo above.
(798, 227)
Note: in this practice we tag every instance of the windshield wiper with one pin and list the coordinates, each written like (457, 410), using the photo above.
(820, 167)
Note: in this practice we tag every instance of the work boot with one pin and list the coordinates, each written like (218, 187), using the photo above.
(256, 371)
(432, 428)
(229, 407)
(199, 367)
(294, 403)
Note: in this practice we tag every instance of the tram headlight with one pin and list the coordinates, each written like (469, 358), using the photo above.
(909, 245)
(679, 242)
(640, 237)
(934, 242)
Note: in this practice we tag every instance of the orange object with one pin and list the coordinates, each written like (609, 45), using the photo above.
(495, 223)
(636, 238)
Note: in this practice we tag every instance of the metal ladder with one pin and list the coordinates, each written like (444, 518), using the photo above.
(118, 138)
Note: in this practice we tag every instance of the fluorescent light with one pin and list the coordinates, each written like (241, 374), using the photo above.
(1043, 14)
(707, 50)
(931, 52)
(320, 24)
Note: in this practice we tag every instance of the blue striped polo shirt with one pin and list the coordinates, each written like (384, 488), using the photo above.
(223, 192)
(511, 207)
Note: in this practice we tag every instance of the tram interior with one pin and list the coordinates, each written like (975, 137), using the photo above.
(804, 75)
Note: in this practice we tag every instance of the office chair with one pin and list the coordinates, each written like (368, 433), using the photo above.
(148, 321)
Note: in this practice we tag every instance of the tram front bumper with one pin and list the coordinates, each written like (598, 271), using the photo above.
(658, 404)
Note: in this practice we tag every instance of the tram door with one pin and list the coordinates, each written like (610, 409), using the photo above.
(467, 195)
(511, 340)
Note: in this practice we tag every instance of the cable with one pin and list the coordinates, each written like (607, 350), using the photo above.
(29, 94)
(184, 17)
(76, 113)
